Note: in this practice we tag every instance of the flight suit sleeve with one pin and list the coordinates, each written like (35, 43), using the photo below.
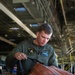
(10, 59)
(53, 61)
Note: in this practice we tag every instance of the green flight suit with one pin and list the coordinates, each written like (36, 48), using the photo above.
(43, 54)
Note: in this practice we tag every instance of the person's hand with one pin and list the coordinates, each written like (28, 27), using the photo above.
(20, 56)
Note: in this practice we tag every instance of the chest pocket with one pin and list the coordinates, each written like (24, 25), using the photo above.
(43, 57)
(44, 53)
(31, 53)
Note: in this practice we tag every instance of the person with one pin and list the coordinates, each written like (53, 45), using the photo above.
(33, 50)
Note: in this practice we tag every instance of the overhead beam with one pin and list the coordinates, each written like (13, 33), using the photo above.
(20, 1)
(39, 20)
(28, 7)
(13, 17)
(7, 41)
(33, 21)
(63, 11)
(28, 10)
(31, 8)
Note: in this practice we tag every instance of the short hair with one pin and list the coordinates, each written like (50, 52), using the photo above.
(46, 28)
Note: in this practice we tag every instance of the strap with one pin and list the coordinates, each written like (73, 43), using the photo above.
(21, 67)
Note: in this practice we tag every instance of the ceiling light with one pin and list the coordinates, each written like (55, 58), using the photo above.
(12, 39)
(19, 35)
(34, 25)
(6, 35)
(15, 28)
(71, 7)
(20, 9)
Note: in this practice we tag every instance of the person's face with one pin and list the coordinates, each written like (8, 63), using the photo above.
(43, 38)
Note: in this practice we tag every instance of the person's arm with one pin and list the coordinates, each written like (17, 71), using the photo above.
(10, 60)
(18, 53)
(53, 61)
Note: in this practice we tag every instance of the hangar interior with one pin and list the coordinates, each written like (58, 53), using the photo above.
(19, 20)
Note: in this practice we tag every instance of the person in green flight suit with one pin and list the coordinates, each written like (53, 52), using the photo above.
(33, 50)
